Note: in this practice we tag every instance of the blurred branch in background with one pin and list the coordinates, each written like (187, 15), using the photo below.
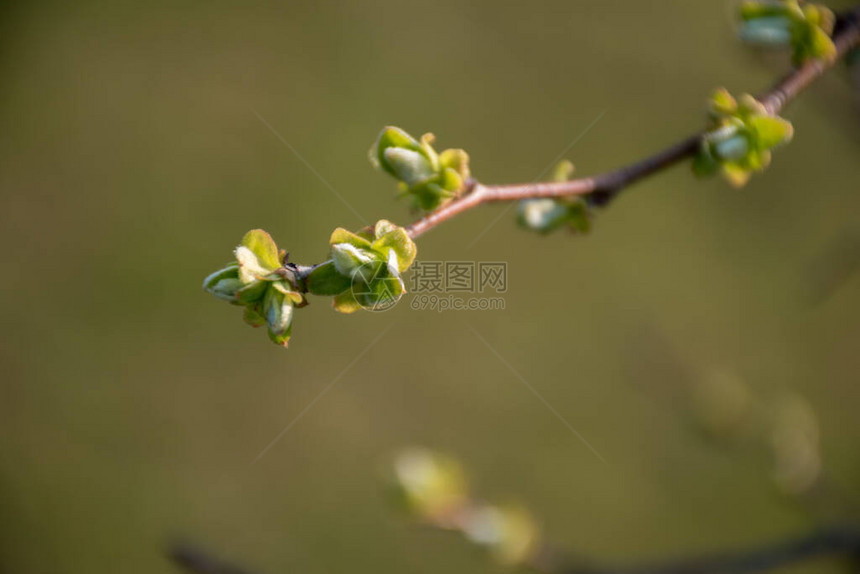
(197, 561)
(833, 541)
(432, 487)
(836, 263)
(777, 430)
(836, 541)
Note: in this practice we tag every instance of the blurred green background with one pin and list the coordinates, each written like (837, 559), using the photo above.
(133, 405)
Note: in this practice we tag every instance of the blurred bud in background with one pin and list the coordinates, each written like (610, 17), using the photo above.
(509, 533)
(723, 405)
(432, 487)
(782, 427)
(794, 441)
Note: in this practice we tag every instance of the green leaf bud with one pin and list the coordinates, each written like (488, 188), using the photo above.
(252, 292)
(347, 258)
(545, 215)
(740, 139)
(365, 267)
(278, 311)
(391, 137)
(731, 149)
(259, 282)
(428, 177)
(410, 167)
(542, 215)
(770, 32)
(224, 283)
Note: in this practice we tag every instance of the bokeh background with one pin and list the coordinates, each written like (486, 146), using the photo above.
(133, 405)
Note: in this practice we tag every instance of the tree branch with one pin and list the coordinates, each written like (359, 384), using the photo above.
(832, 541)
(196, 561)
(603, 188)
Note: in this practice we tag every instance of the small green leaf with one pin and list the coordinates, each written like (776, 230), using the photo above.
(410, 167)
(347, 258)
(252, 292)
(253, 315)
(562, 171)
(281, 338)
(579, 217)
(820, 16)
(398, 241)
(450, 180)
(722, 103)
(326, 280)
(250, 269)
(263, 247)
(382, 227)
(341, 235)
(279, 316)
(224, 283)
(456, 159)
(749, 106)
(429, 196)
(821, 45)
(345, 302)
(381, 292)
(705, 165)
(391, 137)
(428, 151)
(754, 9)
(736, 174)
(290, 295)
(771, 131)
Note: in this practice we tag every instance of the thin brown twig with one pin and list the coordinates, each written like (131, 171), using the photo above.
(831, 542)
(604, 187)
(197, 561)
(836, 541)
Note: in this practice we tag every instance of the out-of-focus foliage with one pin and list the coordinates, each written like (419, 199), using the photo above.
(432, 487)
(804, 26)
(740, 139)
